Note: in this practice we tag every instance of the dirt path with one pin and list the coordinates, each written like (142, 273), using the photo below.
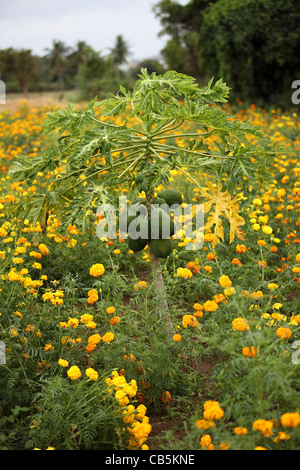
(15, 100)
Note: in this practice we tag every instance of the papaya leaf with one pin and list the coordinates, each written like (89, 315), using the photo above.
(224, 206)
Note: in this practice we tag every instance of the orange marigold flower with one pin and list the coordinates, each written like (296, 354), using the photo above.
(97, 270)
(210, 306)
(249, 352)
(225, 281)
(240, 324)
(240, 431)
(108, 337)
(110, 310)
(241, 249)
(283, 332)
(177, 337)
(290, 420)
(264, 426)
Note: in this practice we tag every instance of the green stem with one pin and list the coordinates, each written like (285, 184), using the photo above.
(96, 173)
(133, 164)
(162, 147)
(116, 126)
(191, 134)
(163, 130)
(130, 147)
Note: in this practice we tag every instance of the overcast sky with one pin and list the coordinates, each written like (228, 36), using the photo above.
(33, 24)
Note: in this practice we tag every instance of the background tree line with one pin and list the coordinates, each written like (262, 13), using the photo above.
(62, 68)
(252, 44)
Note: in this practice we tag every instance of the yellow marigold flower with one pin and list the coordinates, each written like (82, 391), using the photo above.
(108, 337)
(63, 363)
(224, 446)
(267, 230)
(43, 249)
(240, 324)
(86, 317)
(264, 426)
(298, 257)
(129, 415)
(110, 310)
(184, 273)
(73, 322)
(260, 448)
(205, 442)
(74, 373)
(283, 332)
(272, 286)
(114, 320)
(91, 374)
(189, 320)
(141, 411)
(37, 266)
(225, 281)
(140, 284)
(290, 420)
(256, 227)
(210, 306)
(281, 436)
(3, 232)
(177, 337)
(209, 237)
(92, 296)
(212, 410)
(208, 269)
(240, 249)
(198, 306)
(204, 424)
(240, 431)
(97, 270)
(94, 339)
(249, 352)
(229, 291)
(257, 295)
(35, 254)
(257, 202)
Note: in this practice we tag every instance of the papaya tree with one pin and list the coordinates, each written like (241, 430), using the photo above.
(92, 156)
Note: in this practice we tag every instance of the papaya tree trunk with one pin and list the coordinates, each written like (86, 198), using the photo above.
(162, 304)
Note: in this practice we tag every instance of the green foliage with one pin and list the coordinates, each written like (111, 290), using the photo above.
(251, 44)
(92, 156)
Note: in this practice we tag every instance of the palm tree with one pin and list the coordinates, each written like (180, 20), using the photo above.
(120, 51)
(57, 57)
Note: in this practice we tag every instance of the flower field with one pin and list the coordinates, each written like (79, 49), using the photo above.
(87, 363)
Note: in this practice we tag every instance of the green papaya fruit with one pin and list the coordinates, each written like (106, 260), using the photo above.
(139, 178)
(160, 224)
(136, 245)
(158, 201)
(139, 200)
(171, 196)
(161, 248)
(145, 185)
